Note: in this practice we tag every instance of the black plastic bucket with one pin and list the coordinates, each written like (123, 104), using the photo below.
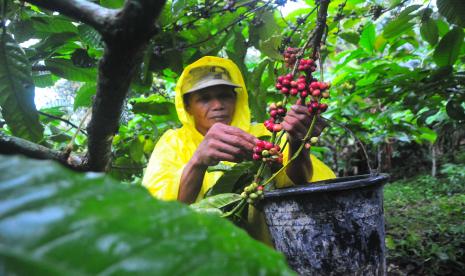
(333, 227)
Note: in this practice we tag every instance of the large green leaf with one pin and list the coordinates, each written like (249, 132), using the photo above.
(265, 30)
(429, 31)
(90, 36)
(53, 24)
(234, 179)
(84, 95)
(350, 37)
(401, 23)
(448, 49)
(66, 69)
(154, 105)
(57, 222)
(215, 204)
(17, 91)
(453, 10)
(367, 39)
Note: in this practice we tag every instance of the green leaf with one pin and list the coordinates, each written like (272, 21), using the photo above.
(455, 109)
(350, 37)
(154, 105)
(429, 31)
(114, 4)
(235, 179)
(55, 24)
(266, 30)
(136, 149)
(367, 80)
(44, 79)
(399, 25)
(448, 49)
(17, 91)
(367, 39)
(84, 95)
(428, 134)
(453, 10)
(215, 203)
(64, 68)
(59, 222)
(90, 36)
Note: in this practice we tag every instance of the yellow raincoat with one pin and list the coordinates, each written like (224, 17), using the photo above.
(176, 147)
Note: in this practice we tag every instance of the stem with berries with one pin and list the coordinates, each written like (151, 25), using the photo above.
(309, 92)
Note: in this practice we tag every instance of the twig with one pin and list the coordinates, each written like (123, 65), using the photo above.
(69, 148)
(358, 141)
(63, 120)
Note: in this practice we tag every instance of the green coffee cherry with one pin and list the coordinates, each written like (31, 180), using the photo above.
(314, 140)
(259, 192)
(244, 195)
(253, 195)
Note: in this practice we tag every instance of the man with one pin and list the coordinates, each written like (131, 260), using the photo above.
(212, 104)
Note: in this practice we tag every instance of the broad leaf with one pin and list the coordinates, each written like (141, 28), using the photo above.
(90, 36)
(55, 24)
(57, 222)
(114, 4)
(235, 179)
(367, 39)
(154, 105)
(84, 95)
(429, 31)
(350, 37)
(17, 91)
(215, 204)
(399, 25)
(65, 69)
(453, 10)
(448, 49)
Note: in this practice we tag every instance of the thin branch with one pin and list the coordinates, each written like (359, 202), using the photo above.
(15, 145)
(81, 10)
(320, 25)
(63, 120)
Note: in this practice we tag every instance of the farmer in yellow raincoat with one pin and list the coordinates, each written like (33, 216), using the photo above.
(212, 104)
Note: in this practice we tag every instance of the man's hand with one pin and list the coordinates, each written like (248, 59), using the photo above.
(224, 143)
(297, 121)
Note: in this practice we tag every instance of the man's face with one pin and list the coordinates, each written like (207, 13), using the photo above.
(211, 105)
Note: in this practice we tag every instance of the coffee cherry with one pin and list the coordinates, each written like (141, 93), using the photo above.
(265, 153)
(316, 93)
(277, 128)
(256, 156)
(314, 140)
(323, 107)
(325, 95)
(273, 113)
(294, 91)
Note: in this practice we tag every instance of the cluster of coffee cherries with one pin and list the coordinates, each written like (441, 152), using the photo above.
(287, 85)
(267, 152)
(252, 193)
(316, 107)
(307, 65)
(277, 112)
(290, 56)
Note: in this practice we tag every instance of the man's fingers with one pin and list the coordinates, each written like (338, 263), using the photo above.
(294, 126)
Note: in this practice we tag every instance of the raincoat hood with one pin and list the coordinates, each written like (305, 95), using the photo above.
(241, 118)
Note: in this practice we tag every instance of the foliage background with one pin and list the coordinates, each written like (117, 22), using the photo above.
(397, 73)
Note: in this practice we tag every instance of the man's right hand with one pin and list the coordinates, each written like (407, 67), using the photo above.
(224, 143)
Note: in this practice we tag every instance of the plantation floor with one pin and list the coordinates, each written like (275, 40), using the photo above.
(425, 225)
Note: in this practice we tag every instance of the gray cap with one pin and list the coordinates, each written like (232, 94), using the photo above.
(203, 77)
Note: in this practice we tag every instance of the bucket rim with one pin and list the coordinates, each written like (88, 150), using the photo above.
(330, 185)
